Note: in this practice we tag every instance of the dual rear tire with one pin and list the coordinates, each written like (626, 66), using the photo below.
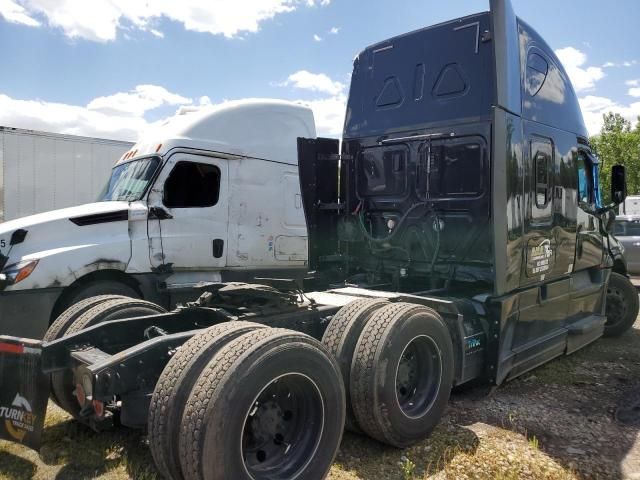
(397, 364)
(244, 401)
(87, 313)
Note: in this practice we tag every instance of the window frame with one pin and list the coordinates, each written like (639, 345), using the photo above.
(541, 187)
(173, 169)
(406, 153)
(423, 168)
(549, 170)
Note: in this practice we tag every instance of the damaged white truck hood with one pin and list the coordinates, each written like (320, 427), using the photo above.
(69, 243)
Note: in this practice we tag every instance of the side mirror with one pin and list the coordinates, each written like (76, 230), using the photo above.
(618, 184)
(18, 237)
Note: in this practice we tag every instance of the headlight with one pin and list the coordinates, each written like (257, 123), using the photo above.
(19, 271)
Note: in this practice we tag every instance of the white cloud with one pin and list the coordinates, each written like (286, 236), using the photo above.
(119, 116)
(138, 101)
(628, 63)
(156, 33)
(634, 92)
(100, 20)
(633, 83)
(574, 60)
(334, 30)
(69, 119)
(317, 37)
(315, 82)
(328, 114)
(14, 13)
(594, 107)
(329, 110)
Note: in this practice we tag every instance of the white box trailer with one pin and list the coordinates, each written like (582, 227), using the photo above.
(631, 205)
(42, 171)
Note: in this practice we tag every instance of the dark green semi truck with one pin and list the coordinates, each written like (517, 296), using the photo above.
(457, 236)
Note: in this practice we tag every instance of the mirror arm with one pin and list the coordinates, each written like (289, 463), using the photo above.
(606, 208)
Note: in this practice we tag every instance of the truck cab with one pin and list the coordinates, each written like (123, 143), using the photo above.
(209, 196)
(466, 172)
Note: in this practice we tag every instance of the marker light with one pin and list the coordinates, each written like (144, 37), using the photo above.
(19, 271)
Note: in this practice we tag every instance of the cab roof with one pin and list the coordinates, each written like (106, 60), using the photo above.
(257, 128)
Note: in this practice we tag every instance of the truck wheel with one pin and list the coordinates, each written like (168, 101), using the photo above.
(402, 373)
(173, 389)
(115, 310)
(62, 385)
(621, 306)
(103, 287)
(341, 337)
(270, 404)
(59, 327)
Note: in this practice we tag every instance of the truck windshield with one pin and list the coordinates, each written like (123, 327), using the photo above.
(130, 180)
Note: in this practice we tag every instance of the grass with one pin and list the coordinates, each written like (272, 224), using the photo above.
(71, 451)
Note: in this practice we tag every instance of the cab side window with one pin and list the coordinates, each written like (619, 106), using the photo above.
(192, 185)
(585, 182)
(542, 179)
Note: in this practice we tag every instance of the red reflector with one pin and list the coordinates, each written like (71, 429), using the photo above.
(11, 348)
(80, 395)
(98, 408)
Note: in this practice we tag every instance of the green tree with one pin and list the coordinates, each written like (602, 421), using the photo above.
(618, 144)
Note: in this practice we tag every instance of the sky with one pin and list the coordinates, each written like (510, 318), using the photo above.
(113, 68)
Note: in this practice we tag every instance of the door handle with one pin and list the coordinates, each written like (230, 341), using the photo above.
(218, 248)
(159, 213)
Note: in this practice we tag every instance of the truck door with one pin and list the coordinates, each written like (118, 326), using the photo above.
(543, 301)
(188, 214)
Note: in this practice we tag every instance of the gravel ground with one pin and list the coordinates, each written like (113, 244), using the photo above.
(561, 421)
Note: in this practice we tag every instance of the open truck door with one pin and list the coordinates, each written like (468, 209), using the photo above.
(24, 392)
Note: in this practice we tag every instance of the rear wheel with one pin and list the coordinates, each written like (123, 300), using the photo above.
(62, 382)
(269, 405)
(621, 306)
(402, 373)
(97, 288)
(173, 389)
(60, 326)
(341, 337)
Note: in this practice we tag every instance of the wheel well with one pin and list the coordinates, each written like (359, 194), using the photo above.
(100, 275)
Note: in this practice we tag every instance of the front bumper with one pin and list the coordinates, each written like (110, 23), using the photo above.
(26, 313)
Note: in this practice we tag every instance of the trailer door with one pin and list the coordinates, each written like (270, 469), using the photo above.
(188, 214)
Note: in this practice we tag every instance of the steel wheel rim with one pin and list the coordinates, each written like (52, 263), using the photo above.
(282, 428)
(616, 306)
(418, 376)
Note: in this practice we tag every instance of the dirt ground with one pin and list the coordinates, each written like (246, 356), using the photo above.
(561, 421)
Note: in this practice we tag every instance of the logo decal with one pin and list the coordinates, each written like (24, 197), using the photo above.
(541, 257)
(18, 418)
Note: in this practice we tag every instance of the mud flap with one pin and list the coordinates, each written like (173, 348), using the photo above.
(24, 391)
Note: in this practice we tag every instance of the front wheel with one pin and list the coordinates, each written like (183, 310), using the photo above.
(622, 305)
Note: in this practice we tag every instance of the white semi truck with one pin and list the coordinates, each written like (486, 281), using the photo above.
(209, 196)
(41, 171)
